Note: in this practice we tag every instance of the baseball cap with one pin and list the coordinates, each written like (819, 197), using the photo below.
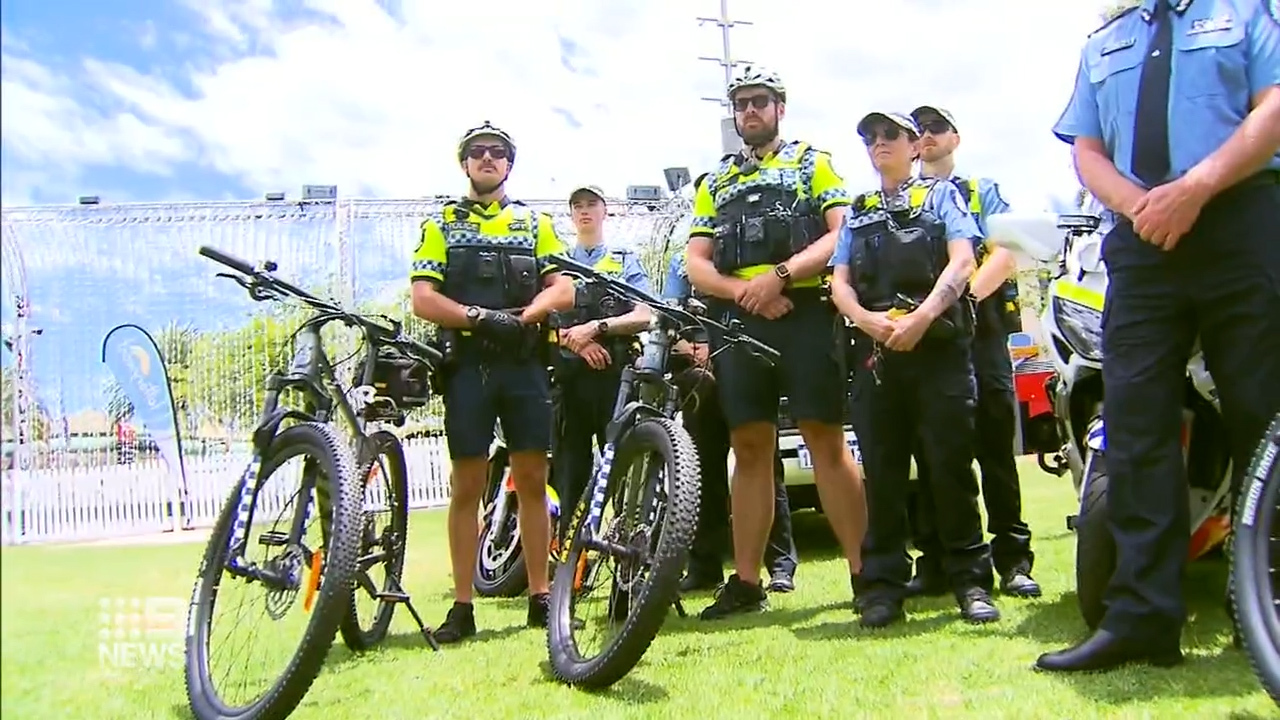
(903, 121)
(593, 189)
(926, 110)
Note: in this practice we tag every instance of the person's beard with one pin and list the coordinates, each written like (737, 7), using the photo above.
(760, 136)
(486, 187)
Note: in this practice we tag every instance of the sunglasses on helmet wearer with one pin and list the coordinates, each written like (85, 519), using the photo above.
(936, 126)
(758, 102)
(888, 132)
(497, 152)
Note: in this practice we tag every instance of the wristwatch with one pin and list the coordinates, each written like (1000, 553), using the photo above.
(602, 327)
(473, 314)
(783, 272)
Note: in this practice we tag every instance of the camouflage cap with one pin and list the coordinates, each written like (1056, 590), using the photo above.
(903, 121)
(926, 111)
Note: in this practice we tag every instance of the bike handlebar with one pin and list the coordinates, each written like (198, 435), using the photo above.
(261, 277)
(731, 334)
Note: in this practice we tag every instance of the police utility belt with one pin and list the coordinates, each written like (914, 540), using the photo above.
(896, 260)
(763, 227)
(493, 277)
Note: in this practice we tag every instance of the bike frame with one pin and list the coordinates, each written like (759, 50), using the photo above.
(644, 392)
(311, 373)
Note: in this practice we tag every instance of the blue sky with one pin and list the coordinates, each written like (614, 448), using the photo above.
(151, 101)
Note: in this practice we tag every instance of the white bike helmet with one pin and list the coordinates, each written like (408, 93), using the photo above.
(486, 130)
(757, 76)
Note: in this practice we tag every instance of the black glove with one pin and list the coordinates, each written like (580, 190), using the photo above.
(499, 324)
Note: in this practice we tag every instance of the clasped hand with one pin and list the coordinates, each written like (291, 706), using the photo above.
(1167, 212)
(592, 352)
(762, 295)
(902, 334)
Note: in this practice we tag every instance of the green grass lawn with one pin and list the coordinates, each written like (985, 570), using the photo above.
(807, 656)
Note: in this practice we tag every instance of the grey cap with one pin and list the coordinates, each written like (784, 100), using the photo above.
(903, 121)
(925, 111)
(593, 189)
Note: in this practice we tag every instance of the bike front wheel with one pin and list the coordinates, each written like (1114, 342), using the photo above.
(318, 579)
(1253, 562)
(656, 510)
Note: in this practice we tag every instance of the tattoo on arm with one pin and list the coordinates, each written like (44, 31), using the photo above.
(948, 289)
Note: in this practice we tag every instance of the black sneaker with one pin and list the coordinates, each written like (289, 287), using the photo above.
(976, 606)
(539, 610)
(736, 597)
(1019, 583)
(458, 625)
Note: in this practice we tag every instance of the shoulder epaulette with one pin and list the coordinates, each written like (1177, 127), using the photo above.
(1114, 18)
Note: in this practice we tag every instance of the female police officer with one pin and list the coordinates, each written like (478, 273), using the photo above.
(901, 269)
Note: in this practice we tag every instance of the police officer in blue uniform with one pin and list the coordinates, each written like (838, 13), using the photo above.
(995, 289)
(597, 340)
(1195, 252)
(901, 271)
(704, 420)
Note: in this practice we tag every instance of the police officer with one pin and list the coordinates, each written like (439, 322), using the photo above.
(480, 273)
(597, 340)
(764, 227)
(995, 289)
(704, 420)
(901, 269)
(1194, 252)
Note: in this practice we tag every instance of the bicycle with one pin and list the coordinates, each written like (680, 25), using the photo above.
(656, 510)
(395, 377)
(1253, 563)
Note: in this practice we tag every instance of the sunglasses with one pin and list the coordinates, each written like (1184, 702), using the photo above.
(888, 132)
(936, 126)
(758, 102)
(497, 152)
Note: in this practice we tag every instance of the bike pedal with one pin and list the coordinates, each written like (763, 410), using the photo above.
(1071, 522)
(680, 608)
(394, 597)
(273, 538)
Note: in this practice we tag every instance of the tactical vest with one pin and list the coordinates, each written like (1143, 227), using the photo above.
(490, 267)
(768, 218)
(1003, 306)
(897, 255)
(595, 302)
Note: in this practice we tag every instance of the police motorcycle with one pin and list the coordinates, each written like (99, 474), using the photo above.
(1072, 327)
(500, 569)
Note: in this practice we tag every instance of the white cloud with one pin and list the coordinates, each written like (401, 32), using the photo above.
(374, 103)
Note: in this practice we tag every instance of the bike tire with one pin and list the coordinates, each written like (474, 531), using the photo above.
(1257, 622)
(321, 444)
(514, 579)
(382, 444)
(649, 609)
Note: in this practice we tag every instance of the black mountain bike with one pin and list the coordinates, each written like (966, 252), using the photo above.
(326, 579)
(654, 506)
(1253, 562)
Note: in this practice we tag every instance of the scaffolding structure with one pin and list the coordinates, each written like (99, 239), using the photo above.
(729, 138)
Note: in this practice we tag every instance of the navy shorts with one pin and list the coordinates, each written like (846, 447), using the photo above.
(518, 393)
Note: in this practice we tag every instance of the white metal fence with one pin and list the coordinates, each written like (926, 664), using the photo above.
(143, 498)
(73, 466)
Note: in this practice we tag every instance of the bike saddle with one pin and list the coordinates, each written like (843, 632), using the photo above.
(1085, 223)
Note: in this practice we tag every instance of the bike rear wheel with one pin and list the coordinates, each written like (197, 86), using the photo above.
(637, 606)
(384, 482)
(1253, 562)
(337, 508)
